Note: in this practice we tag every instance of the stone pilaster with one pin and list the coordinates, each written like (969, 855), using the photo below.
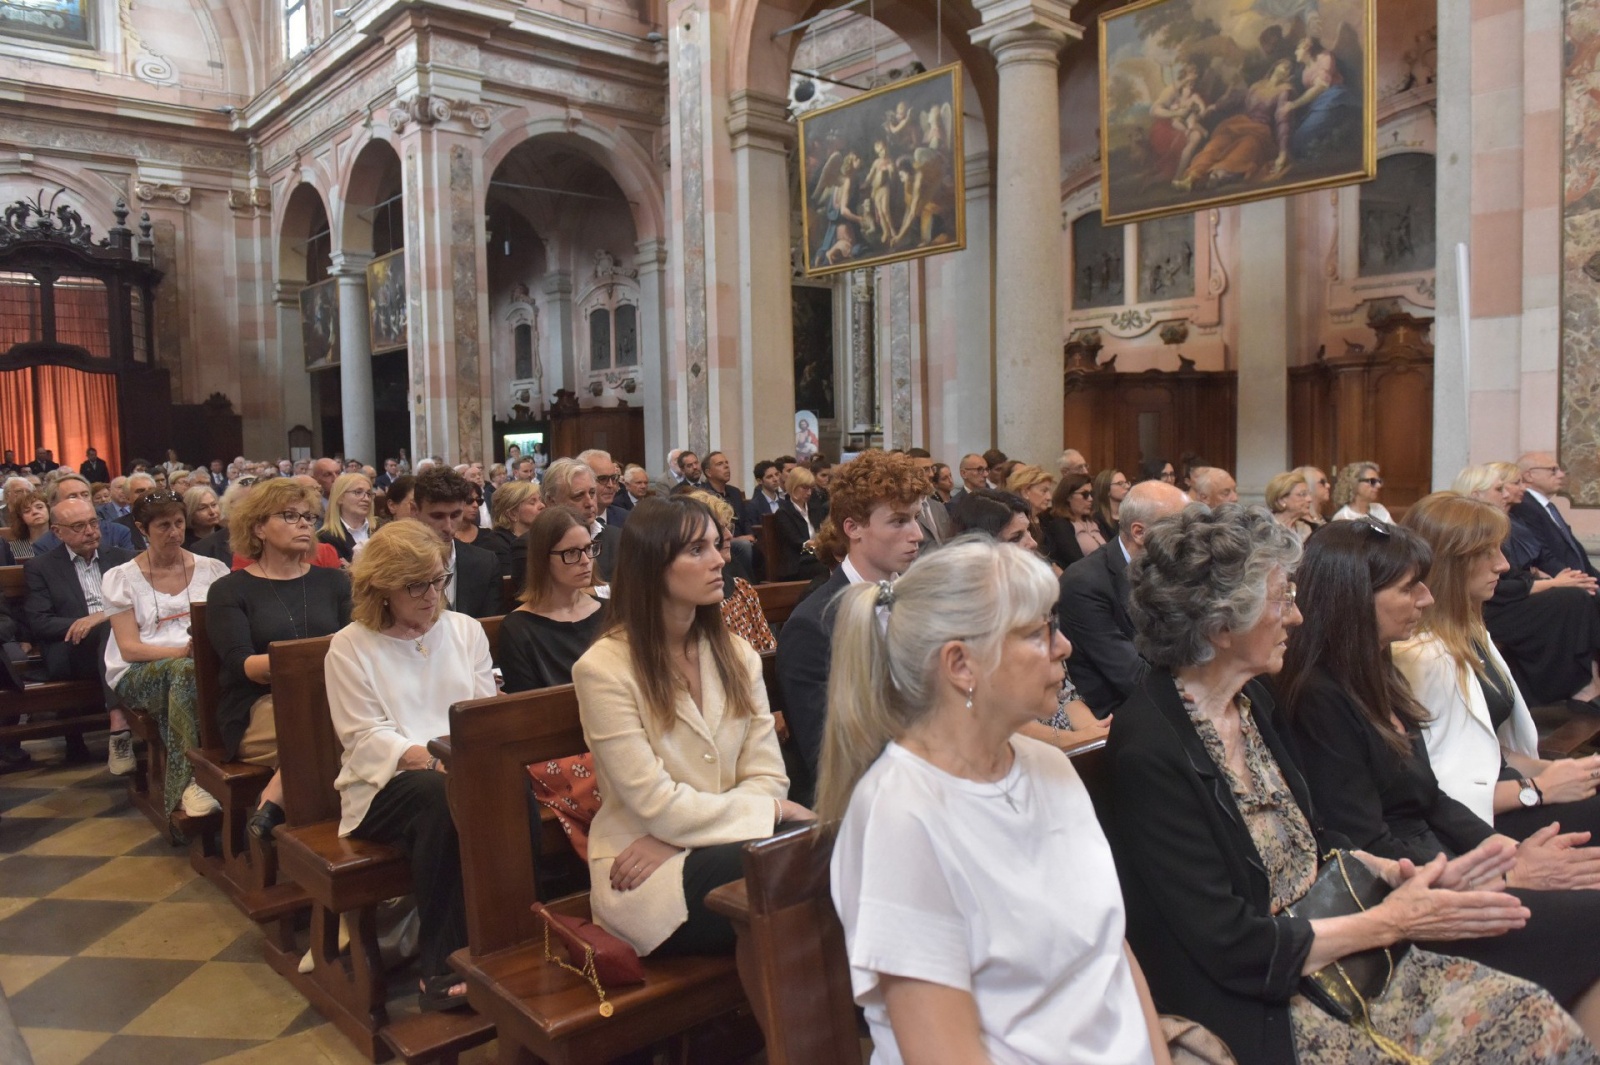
(355, 358)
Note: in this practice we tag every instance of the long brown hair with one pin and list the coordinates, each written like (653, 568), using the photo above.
(657, 531)
(1460, 530)
(542, 536)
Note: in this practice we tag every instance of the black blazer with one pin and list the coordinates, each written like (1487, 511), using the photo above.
(792, 564)
(477, 582)
(55, 600)
(805, 644)
(1386, 805)
(755, 509)
(1060, 544)
(1198, 896)
(609, 539)
(96, 470)
(734, 497)
(1094, 615)
(1555, 551)
(133, 530)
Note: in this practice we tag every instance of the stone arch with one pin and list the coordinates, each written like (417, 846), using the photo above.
(300, 210)
(89, 197)
(373, 176)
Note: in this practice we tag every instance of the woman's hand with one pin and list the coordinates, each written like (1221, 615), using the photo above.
(780, 726)
(637, 861)
(793, 812)
(415, 757)
(1551, 861)
(1483, 868)
(1569, 779)
(1420, 909)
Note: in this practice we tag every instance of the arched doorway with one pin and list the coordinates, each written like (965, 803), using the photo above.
(372, 223)
(305, 245)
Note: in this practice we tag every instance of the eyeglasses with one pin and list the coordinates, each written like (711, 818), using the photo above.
(1557, 468)
(1170, 478)
(573, 555)
(296, 517)
(419, 589)
(973, 469)
(609, 478)
(1285, 601)
(1087, 493)
(77, 528)
(359, 493)
(1376, 482)
(1120, 483)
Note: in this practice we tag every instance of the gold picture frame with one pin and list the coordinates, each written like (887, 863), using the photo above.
(883, 175)
(387, 305)
(1192, 119)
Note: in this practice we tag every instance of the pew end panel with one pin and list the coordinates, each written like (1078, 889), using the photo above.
(67, 708)
(779, 599)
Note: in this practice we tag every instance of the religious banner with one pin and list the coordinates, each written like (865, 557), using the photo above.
(319, 323)
(1204, 104)
(883, 175)
(386, 302)
(58, 21)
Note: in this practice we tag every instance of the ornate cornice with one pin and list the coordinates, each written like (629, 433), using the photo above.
(148, 191)
(426, 110)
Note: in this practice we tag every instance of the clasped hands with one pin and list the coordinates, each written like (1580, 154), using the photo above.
(645, 855)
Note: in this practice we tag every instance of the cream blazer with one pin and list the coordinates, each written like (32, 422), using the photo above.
(710, 779)
(1462, 743)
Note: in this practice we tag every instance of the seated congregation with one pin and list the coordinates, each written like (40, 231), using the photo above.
(1086, 768)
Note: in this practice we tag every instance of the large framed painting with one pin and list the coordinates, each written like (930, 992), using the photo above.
(319, 323)
(58, 21)
(883, 175)
(812, 310)
(386, 302)
(1203, 103)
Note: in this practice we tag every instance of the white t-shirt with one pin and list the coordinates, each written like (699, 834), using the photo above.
(937, 878)
(163, 619)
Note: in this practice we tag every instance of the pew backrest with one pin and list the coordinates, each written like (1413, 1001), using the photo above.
(308, 748)
(779, 600)
(207, 678)
(14, 586)
(492, 741)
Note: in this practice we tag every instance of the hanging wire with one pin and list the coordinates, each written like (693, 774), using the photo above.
(938, 23)
(872, 34)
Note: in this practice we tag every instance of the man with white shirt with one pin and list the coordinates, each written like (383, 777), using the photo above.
(873, 509)
(607, 486)
(764, 500)
(931, 513)
(1540, 525)
(1093, 607)
(472, 574)
(571, 483)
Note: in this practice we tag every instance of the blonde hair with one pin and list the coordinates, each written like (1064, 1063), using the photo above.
(1509, 472)
(260, 504)
(400, 553)
(718, 506)
(799, 477)
(1460, 530)
(1344, 486)
(884, 677)
(1474, 479)
(192, 502)
(507, 498)
(333, 521)
(1025, 477)
(1280, 486)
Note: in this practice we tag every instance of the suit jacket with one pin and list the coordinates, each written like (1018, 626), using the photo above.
(477, 582)
(792, 562)
(112, 534)
(9, 629)
(731, 495)
(219, 482)
(39, 467)
(1094, 615)
(96, 470)
(1199, 899)
(616, 515)
(5, 554)
(606, 565)
(805, 646)
(939, 530)
(55, 600)
(1060, 543)
(1554, 551)
(755, 509)
(126, 521)
(709, 778)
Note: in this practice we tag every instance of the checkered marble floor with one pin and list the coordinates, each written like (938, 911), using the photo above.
(113, 951)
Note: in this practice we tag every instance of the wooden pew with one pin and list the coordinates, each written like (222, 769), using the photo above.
(343, 878)
(779, 600)
(226, 853)
(53, 707)
(541, 1012)
(792, 954)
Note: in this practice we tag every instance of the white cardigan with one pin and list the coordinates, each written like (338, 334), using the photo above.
(710, 779)
(1462, 744)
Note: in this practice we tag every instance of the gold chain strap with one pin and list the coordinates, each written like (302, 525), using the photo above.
(587, 973)
(1364, 1021)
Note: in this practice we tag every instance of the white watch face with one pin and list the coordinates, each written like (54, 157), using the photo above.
(1528, 796)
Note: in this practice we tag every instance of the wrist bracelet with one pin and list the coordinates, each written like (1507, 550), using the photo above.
(433, 763)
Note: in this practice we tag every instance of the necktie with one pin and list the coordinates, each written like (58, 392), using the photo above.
(1581, 556)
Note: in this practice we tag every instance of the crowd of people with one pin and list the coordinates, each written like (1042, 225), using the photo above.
(1286, 688)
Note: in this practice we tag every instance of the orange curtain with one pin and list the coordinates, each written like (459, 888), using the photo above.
(16, 413)
(78, 411)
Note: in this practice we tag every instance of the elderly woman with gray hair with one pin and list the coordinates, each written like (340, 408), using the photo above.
(1218, 843)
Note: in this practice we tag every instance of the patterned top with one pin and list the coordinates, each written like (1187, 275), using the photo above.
(741, 612)
(1277, 825)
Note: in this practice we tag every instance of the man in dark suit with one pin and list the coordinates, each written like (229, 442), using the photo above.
(932, 515)
(472, 585)
(65, 616)
(607, 486)
(1539, 521)
(570, 483)
(873, 505)
(390, 474)
(112, 533)
(9, 465)
(139, 486)
(719, 482)
(218, 477)
(94, 467)
(1093, 607)
(43, 462)
(764, 500)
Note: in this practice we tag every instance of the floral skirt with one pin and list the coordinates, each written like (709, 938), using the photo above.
(165, 690)
(1448, 1011)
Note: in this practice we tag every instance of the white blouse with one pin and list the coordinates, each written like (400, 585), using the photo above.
(163, 619)
(1376, 510)
(1005, 890)
(387, 694)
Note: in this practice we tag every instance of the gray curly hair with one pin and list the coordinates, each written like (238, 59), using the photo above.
(1202, 574)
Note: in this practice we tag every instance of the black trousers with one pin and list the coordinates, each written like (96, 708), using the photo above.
(706, 932)
(411, 813)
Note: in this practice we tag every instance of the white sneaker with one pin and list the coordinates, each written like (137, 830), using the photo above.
(198, 802)
(119, 757)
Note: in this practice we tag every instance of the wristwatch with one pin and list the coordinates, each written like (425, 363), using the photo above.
(1529, 794)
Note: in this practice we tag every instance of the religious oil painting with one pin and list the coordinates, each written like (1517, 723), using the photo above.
(1397, 216)
(1098, 275)
(319, 323)
(58, 21)
(1209, 102)
(1166, 258)
(813, 348)
(386, 302)
(882, 175)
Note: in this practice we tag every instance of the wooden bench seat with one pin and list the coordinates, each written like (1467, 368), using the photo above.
(779, 600)
(543, 1013)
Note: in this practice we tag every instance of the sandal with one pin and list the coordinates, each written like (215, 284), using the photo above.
(435, 995)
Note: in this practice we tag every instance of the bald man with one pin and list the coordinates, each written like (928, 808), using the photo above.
(1213, 486)
(1093, 607)
(324, 472)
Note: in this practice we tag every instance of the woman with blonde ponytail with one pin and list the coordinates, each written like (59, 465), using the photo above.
(981, 908)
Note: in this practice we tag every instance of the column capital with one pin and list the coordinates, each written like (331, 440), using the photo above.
(349, 264)
(1025, 30)
(759, 120)
(287, 293)
(650, 255)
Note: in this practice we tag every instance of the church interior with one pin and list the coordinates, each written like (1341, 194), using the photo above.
(413, 229)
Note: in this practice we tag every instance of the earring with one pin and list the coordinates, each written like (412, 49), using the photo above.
(969, 698)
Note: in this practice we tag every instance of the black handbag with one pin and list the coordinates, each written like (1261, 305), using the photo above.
(1344, 987)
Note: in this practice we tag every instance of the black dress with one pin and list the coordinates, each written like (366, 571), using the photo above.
(1393, 807)
(1549, 640)
(510, 550)
(1060, 540)
(537, 652)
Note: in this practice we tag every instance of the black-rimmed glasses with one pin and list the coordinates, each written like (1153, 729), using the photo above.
(1376, 482)
(298, 517)
(418, 589)
(573, 555)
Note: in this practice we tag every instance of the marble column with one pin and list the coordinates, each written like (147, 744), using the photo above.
(863, 355)
(355, 358)
(1265, 303)
(1453, 160)
(293, 380)
(1026, 37)
(558, 289)
(655, 392)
